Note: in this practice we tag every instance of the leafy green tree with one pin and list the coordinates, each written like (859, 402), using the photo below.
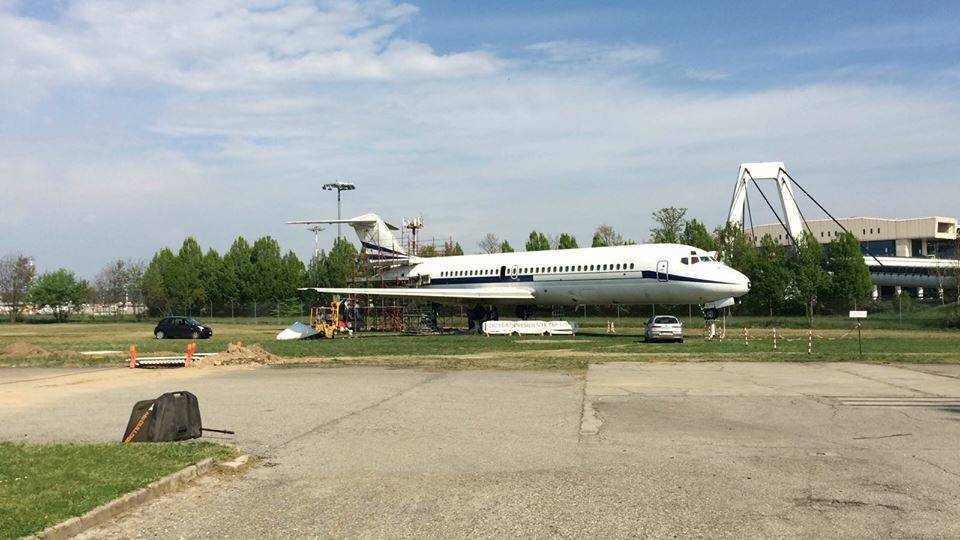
(316, 273)
(505, 247)
(267, 265)
(156, 290)
(428, 251)
(810, 279)
(537, 242)
(340, 263)
(293, 274)
(185, 286)
(734, 248)
(452, 249)
(670, 223)
(212, 277)
(605, 236)
(567, 241)
(239, 274)
(695, 234)
(850, 282)
(61, 291)
(770, 276)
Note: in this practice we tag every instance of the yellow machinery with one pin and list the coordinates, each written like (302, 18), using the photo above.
(326, 320)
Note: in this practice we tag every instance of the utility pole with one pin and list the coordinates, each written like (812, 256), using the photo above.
(339, 186)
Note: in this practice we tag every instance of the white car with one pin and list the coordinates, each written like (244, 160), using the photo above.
(663, 328)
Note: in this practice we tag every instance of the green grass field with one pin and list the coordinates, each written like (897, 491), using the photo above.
(42, 485)
(835, 342)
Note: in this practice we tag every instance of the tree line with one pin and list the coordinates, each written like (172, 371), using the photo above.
(604, 236)
(185, 281)
(246, 273)
(801, 279)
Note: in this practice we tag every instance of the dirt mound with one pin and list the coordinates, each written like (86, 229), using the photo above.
(24, 349)
(241, 355)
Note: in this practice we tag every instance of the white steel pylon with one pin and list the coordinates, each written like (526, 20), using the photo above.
(771, 170)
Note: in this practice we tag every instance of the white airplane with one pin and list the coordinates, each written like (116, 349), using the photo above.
(626, 275)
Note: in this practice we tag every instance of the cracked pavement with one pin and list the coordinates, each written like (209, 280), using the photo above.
(627, 449)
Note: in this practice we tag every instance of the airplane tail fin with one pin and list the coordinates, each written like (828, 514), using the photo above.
(376, 238)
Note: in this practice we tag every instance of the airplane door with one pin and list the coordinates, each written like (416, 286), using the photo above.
(663, 273)
(514, 272)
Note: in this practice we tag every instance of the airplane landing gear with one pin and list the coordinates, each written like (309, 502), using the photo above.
(710, 316)
(478, 315)
(524, 312)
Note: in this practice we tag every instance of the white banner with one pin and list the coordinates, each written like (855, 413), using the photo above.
(505, 328)
(561, 328)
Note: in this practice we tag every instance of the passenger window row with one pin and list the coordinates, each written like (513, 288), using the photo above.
(543, 270)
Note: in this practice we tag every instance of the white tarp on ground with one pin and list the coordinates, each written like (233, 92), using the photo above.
(529, 327)
(297, 330)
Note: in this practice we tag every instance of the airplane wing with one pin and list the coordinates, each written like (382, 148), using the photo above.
(367, 218)
(432, 293)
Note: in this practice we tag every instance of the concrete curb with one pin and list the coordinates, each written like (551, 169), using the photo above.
(125, 503)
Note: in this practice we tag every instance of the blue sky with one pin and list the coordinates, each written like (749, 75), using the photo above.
(125, 126)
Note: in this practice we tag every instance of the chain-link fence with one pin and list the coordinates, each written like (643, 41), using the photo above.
(902, 312)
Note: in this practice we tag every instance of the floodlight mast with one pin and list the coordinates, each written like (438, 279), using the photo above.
(340, 186)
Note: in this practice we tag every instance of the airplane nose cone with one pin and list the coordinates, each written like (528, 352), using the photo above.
(741, 284)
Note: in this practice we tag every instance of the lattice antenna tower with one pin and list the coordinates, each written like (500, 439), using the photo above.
(414, 225)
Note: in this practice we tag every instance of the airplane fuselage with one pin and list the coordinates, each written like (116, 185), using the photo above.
(636, 274)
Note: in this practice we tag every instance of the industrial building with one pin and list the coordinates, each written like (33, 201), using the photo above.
(916, 254)
(915, 237)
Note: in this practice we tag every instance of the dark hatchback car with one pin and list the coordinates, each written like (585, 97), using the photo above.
(181, 327)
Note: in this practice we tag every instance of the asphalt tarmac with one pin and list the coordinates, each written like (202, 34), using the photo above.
(626, 449)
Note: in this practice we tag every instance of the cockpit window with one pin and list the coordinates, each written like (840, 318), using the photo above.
(694, 260)
(685, 260)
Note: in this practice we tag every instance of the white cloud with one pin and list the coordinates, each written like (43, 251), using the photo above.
(220, 44)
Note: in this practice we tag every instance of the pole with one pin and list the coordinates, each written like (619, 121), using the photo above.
(338, 213)
(859, 339)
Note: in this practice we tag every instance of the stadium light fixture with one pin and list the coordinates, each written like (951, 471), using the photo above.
(339, 187)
